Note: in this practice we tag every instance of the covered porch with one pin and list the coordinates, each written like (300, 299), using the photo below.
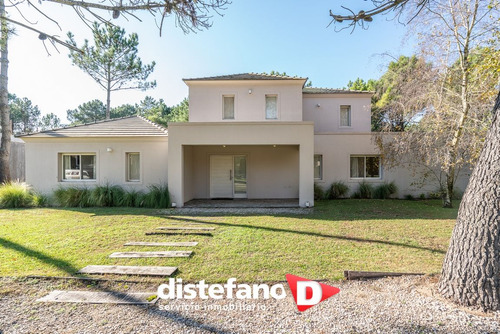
(241, 161)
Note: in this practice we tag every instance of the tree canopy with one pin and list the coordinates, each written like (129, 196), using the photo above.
(112, 61)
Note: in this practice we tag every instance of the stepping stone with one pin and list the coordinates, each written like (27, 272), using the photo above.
(93, 297)
(186, 228)
(129, 270)
(151, 254)
(208, 234)
(174, 244)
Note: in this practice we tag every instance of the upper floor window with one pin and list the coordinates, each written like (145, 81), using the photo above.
(271, 106)
(78, 167)
(366, 167)
(133, 167)
(345, 116)
(228, 107)
(318, 167)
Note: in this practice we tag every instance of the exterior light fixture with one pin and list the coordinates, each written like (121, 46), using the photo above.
(109, 149)
(250, 91)
(308, 204)
(318, 105)
(223, 145)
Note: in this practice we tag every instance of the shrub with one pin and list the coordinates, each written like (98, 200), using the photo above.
(319, 193)
(158, 197)
(337, 190)
(16, 195)
(131, 198)
(73, 197)
(365, 191)
(106, 195)
(385, 190)
(409, 197)
(40, 200)
(422, 196)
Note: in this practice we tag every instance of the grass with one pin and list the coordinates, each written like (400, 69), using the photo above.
(386, 235)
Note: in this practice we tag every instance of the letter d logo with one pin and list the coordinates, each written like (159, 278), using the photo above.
(308, 293)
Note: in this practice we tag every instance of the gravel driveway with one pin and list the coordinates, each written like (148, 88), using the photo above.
(391, 305)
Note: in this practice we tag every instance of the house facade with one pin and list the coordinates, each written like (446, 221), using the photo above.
(249, 135)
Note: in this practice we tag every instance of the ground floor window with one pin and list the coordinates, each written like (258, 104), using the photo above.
(318, 167)
(79, 167)
(133, 167)
(366, 167)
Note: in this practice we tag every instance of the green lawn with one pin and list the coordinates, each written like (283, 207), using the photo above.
(385, 235)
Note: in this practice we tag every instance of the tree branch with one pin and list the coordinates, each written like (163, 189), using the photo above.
(42, 35)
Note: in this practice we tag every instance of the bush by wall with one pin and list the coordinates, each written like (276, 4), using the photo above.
(319, 193)
(337, 190)
(113, 196)
(385, 190)
(73, 197)
(19, 195)
(158, 197)
(365, 191)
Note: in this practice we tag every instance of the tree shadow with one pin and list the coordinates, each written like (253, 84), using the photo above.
(331, 210)
(71, 270)
(314, 234)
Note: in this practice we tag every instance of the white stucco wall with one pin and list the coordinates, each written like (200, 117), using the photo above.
(337, 149)
(272, 172)
(44, 169)
(326, 117)
(205, 100)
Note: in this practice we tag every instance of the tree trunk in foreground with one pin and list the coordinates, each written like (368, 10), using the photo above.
(471, 269)
(4, 100)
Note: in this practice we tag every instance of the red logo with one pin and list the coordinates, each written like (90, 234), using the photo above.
(308, 293)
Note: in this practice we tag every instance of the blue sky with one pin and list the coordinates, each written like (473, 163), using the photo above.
(252, 36)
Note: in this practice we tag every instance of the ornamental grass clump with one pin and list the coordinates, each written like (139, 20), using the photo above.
(16, 195)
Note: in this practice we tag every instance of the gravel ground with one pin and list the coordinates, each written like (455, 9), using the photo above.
(390, 305)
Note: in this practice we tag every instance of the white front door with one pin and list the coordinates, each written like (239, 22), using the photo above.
(221, 176)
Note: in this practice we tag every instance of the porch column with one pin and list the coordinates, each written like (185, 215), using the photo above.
(306, 173)
(176, 173)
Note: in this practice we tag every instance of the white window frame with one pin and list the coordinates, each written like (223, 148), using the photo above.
(321, 169)
(380, 169)
(277, 106)
(62, 173)
(127, 167)
(233, 95)
(350, 116)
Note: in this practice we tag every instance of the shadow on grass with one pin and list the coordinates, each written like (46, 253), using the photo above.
(70, 269)
(330, 210)
(314, 234)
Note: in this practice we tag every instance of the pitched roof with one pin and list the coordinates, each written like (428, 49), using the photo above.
(132, 126)
(247, 76)
(315, 90)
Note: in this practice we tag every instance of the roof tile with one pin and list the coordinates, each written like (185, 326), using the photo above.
(118, 127)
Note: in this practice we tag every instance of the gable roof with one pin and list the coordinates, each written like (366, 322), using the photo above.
(132, 126)
(246, 76)
(317, 90)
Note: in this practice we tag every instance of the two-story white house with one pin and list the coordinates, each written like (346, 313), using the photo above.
(249, 135)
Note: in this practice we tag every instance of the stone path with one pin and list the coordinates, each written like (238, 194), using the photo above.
(151, 254)
(186, 228)
(92, 297)
(61, 296)
(160, 244)
(129, 270)
(180, 232)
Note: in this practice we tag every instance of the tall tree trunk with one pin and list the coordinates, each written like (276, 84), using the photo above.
(4, 100)
(448, 191)
(471, 269)
(108, 95)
